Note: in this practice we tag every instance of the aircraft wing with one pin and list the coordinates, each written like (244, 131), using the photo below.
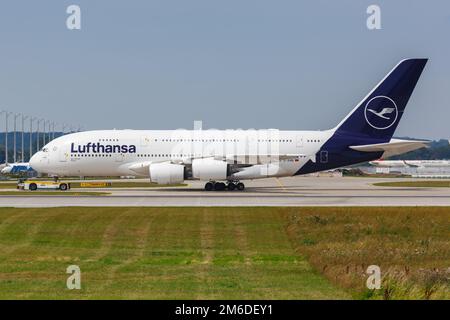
(244, 160)
(393, 147)
(254, 159)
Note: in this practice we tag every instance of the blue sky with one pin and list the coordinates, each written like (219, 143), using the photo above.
(149, 64)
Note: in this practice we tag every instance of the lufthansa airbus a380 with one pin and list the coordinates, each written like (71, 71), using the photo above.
(223, 158)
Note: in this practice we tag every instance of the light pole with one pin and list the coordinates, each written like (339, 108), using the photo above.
(16, 115)
(50, 130)
(37, 134)
(49, 127)
(44, 131)
(6, 134)
(31, 136)
(53, 130)
(49, 133)
(6, 140)
(23, 132)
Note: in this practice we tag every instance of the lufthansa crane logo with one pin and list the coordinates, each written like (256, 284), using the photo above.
(381, 112)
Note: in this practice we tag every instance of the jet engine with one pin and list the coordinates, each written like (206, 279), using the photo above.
(210, 169)
(166, 173)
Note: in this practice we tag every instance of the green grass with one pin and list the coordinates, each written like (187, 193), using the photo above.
(224, 253)
(21, 193)
(154, 253)
(417, 184)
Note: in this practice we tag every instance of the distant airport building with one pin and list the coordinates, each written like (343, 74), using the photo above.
(414, 168)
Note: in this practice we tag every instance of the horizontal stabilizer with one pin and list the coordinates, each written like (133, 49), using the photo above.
(393, 147)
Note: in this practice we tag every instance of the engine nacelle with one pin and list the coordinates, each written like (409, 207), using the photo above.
(210, 169)
(166, 173)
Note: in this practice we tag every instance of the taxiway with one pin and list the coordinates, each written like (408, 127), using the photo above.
(296, 191)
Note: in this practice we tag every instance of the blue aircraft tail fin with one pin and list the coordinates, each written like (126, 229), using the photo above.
(379, 113)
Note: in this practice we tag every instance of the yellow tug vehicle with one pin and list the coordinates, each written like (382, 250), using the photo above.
(33, 185)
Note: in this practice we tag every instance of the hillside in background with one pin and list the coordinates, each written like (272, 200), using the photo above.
(436, 150)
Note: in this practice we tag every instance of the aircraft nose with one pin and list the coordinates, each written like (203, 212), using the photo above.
(36, 162)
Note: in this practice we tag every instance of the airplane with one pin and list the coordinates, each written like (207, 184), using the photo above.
(410, 163)
(16, 168)
(224, 158)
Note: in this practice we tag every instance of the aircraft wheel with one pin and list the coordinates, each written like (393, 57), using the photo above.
(231, 186)
(209, 186)
(240, 186)
(219, 186)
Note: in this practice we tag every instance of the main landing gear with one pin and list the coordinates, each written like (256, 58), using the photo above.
(220, 186)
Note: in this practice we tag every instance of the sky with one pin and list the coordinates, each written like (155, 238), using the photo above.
(286, 64)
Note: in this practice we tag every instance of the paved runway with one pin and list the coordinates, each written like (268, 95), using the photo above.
(295, 191)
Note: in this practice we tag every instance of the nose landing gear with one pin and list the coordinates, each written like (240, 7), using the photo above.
(220, 186)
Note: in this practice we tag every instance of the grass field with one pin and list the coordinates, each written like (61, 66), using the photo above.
(225, 253)
(411, 245)
(424, 184)
(154, 253)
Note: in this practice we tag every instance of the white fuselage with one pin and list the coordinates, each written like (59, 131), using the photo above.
(257, 153)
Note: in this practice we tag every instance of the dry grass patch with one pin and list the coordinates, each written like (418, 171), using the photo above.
(411, 245)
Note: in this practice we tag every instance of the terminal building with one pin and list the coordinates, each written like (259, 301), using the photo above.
(424, 171)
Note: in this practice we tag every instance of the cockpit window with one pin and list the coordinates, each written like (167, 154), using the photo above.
(44, 149)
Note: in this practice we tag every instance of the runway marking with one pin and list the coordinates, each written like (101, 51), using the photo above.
(280, 184)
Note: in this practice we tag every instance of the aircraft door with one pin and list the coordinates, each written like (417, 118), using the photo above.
(299, 142)
(63, 153)
(323, 156)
